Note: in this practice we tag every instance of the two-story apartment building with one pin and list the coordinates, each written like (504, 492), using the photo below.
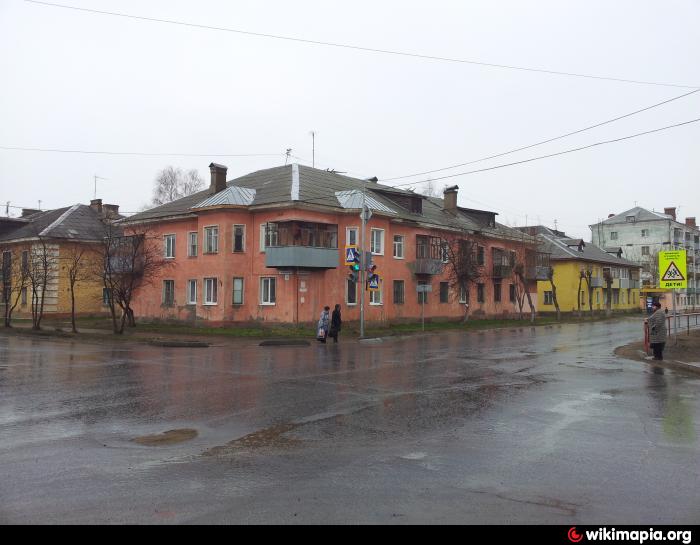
(269, 246)
(51, 240)
(575, 264)
(641, 234)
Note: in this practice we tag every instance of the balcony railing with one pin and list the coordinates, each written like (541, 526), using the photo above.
(502, 271)
(427, 266)
(536, 273)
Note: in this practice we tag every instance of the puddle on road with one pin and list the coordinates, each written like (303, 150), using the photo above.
(170, 437)
(272, 437)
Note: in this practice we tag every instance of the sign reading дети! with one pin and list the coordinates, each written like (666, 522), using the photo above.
(672, 269)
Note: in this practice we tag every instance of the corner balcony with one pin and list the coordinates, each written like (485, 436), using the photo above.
(537, 273)
(597, 282)
(301, 257)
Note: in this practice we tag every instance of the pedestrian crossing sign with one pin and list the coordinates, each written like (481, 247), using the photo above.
(351, 255)
(373, 282)
(673, 269)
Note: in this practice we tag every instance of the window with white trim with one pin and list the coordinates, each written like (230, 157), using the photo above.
(169, 244)
(239, 238)
(268, 235)
(377, 242)
(463, 295)
(192, 244)
(375, 297)
(645, 232)
(211, 239)
(398, 246)
(238, 291)
(613, 235)
(267, 290)
(191, 292)
(211, 288)
(351, 236)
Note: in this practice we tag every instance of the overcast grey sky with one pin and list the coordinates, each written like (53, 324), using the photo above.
(81, 81)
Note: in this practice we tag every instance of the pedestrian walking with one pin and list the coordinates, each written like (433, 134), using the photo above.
(336, 323)
(657, 331)
(323, 323)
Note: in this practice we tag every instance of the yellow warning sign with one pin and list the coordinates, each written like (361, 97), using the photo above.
(673, 269)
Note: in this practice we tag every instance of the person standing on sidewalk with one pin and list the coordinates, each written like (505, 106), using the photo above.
(657, 331)
(336, 322)
(323, 323)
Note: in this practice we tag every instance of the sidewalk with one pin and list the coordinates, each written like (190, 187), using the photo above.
(683, 355)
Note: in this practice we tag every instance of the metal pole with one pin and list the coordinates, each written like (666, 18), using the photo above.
(675, 318)
(422, 309)
(362, 264)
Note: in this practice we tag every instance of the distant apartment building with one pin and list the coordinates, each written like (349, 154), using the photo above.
(50, 240)
(269, 247)
(586, 277)
(640, 234)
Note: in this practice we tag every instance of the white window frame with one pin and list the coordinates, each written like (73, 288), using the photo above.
(166, 239)
(233, 239)
(347, 291)
(462, 295)
(190, 283)
(374, 295)
(208, 300)
(645, 233)
(263, 237)
(372, 244)
(399, 245)
(242, 290)
(190, 245)
(206, 239)
(355, 231)
(613, 235)
(269, 280)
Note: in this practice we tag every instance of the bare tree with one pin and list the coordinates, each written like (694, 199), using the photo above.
(173, 183)
(76, 258)
(461, 267)
(519, 271)
(607, 276)
(14, 282)
(588, 277)
(431, 190)
(127, 263)
(41, 267)
(550, 277)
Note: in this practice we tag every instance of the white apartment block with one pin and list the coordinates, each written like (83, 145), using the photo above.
(641, 234)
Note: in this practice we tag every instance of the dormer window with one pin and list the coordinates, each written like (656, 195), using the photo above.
(416, 205)
(630, 219)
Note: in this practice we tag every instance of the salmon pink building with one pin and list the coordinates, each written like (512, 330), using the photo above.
(270, 247)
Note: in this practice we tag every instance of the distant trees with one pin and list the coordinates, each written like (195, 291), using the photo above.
(173, 183)
(15, 280)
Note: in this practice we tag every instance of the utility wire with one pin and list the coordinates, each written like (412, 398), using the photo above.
(551, 154)
(543, 141)
(564, 152)
(137, 153)
(360, 48)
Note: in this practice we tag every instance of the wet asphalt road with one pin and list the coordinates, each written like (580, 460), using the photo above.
(528, 425)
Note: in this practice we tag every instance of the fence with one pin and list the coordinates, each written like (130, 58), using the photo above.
(690, 321)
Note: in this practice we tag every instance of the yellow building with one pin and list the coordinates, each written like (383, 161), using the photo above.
(52, 241)
(586, 275)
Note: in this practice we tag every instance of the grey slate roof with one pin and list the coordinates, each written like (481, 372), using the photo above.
(639, 213)
(559, 250)
(330, 189)
(77, 222)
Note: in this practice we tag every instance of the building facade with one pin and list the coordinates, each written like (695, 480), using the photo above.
(270, 247)
(641, 234)
(38, 251)
(585, 276)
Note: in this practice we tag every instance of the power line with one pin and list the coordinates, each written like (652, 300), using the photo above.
(544, 141)
(324, 197)
(361, 48)
(551, 154)
(142, 154)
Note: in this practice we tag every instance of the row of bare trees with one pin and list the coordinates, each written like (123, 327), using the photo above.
(465, 270)
(120, 263)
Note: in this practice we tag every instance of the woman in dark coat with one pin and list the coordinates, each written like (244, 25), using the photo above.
(657, 331)
(336, 322)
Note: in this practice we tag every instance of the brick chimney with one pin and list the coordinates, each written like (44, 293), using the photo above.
(449, 202)
(111, 211)
(671, 212)
(218, 178)
(29, 211)
(96, 205)
(690, 222)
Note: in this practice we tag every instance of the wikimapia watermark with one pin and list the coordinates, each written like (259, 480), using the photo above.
(637, 536)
